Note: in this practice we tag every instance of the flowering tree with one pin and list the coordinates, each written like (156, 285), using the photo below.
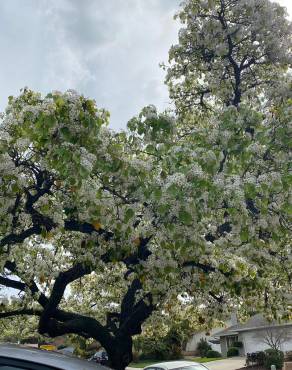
(228, 51)
(99, 229)
(20, 329)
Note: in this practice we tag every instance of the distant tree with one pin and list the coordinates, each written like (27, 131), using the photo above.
(275, 337)
(20, 329)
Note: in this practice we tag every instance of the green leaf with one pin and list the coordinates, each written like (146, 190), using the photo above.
(244, 235)
(150, 148)
(163, 208)
(49, 121)
(287, 208)
(185, 217)
(173, 189)
(15, 188)
(129, 214)
(157, 194)
(60, 102)
(66, 133)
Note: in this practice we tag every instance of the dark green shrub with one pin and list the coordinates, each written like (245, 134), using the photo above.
(273, 357)
(152, 349)
(203, 347)
(213, 354)
(174, 341)
(168, 347)
(255, 358)
(238, 344)
(233, 351)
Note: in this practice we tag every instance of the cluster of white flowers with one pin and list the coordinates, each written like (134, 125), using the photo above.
(22, 143)
(150, 112)
(178, 179)
(210, 156)
(73, 99)
(140, 164)
(196, 171)
(87, 159)
(7, 165)
(256, 148)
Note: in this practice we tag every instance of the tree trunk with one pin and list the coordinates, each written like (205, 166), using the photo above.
(120, 353)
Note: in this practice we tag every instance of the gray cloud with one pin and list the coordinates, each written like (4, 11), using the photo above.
(108, 50)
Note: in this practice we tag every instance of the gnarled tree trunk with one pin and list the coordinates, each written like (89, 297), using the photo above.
(120, 353)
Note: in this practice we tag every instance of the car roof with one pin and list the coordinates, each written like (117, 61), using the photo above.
(49, 358)
(173, 364)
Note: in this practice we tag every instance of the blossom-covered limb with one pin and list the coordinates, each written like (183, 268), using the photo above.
(19, 285)
(14, 238)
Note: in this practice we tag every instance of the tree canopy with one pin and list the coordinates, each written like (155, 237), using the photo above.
(99, 229)
(228, 51)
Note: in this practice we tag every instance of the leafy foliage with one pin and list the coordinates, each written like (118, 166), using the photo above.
(266, 358)
(222, 46)
(213, 354)
(255, 358)
(232, 351)
(274, 357)
(203, 347)
(238, 344)
(168, 347)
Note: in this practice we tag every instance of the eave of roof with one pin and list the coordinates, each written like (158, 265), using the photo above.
(232, 330)
(256, 322)
(269, 326)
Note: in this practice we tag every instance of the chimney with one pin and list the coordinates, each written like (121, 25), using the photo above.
(234, 320)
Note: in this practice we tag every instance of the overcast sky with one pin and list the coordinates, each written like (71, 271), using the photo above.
(109, 50)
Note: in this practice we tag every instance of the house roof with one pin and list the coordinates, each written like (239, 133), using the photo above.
(255, 322)
(258, 322)
(232, 330)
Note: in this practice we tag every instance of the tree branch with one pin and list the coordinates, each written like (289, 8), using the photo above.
(205, 268)
(9, 283)
(19, 238)
(132, 323)
(85, 326)
(11, 266)
(20, 312)
(58, 290)
(87, 228)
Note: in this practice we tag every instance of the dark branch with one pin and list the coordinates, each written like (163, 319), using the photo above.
(19, 238)
(84, 326)
(205, 268)
(42, 299)
(20, 312)
(9, 283)
(87, 228)
(58, 290)
(221, 167)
